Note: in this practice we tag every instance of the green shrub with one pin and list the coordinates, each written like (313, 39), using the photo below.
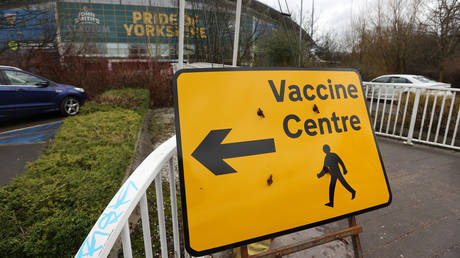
(49, 211)
(135, 99)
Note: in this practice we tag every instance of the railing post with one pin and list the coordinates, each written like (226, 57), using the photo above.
(126, 241)
(161, 216)
(175, 221)
(413, 117)
(146, 226)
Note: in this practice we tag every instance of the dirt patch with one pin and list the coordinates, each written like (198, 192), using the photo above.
(162, 125)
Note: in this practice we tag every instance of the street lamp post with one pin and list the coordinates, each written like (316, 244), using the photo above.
(180, 47)
(300, 34)
(237, 33)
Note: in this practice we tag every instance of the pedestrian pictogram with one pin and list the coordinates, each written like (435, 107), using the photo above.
(266, 152)
(331, 166)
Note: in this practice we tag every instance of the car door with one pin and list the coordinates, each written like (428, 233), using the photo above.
(34, 94)
(10, 98)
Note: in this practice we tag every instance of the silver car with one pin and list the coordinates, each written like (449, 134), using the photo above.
(391, 85)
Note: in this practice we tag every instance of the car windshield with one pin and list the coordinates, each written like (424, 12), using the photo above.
(423, 79)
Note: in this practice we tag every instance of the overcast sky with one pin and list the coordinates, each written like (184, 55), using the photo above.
(332, 15)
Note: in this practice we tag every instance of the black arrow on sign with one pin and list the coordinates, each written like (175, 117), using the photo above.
(211, 151)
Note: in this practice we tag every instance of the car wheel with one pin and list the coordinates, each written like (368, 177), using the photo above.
(70, 106)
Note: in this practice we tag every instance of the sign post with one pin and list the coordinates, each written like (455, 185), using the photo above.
(266, 152)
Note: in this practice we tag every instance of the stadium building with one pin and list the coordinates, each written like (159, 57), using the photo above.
(120, 29)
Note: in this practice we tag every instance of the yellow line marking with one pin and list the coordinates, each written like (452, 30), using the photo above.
(15, 130)
(19, 144)
(25, 134)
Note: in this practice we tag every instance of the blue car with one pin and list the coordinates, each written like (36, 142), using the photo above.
(23, 93)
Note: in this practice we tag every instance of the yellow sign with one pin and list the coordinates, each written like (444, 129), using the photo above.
(268, 152)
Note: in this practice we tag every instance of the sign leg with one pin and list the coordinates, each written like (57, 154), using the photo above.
(355, 239)
(244, 251)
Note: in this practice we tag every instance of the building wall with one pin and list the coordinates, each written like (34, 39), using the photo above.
(135, 28)
(110, 28)
(24, 29)
(118, 30)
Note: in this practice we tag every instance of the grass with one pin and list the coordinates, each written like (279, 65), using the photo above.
(133, 99)
(49, 211)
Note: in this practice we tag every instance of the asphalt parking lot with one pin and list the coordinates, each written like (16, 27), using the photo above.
(22, 141)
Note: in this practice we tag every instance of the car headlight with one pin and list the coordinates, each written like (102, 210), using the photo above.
(79, 89)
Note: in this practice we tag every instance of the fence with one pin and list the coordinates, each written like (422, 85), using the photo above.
(396, 110)
(114, 219)
(415, 113)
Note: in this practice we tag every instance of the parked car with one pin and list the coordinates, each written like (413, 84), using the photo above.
(398, 81)
(418, 80)
(23, 93)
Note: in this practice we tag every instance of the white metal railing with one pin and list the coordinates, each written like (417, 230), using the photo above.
(415, 113)
(114, 219)
(406, 112)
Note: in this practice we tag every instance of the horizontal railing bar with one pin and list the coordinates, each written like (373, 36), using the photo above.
(392, 135)
(293, 248)
(437, 144)
(419, 141)
(113, 222)
(405, 85)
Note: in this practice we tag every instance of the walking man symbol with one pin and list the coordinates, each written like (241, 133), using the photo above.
(331, 166)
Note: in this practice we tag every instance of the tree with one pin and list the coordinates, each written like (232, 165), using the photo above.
(444, 24)
(275, 50)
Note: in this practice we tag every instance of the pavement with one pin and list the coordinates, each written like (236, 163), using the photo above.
(22, 141)
(423, 219)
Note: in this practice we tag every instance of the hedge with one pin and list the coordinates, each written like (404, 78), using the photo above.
(49, 211)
